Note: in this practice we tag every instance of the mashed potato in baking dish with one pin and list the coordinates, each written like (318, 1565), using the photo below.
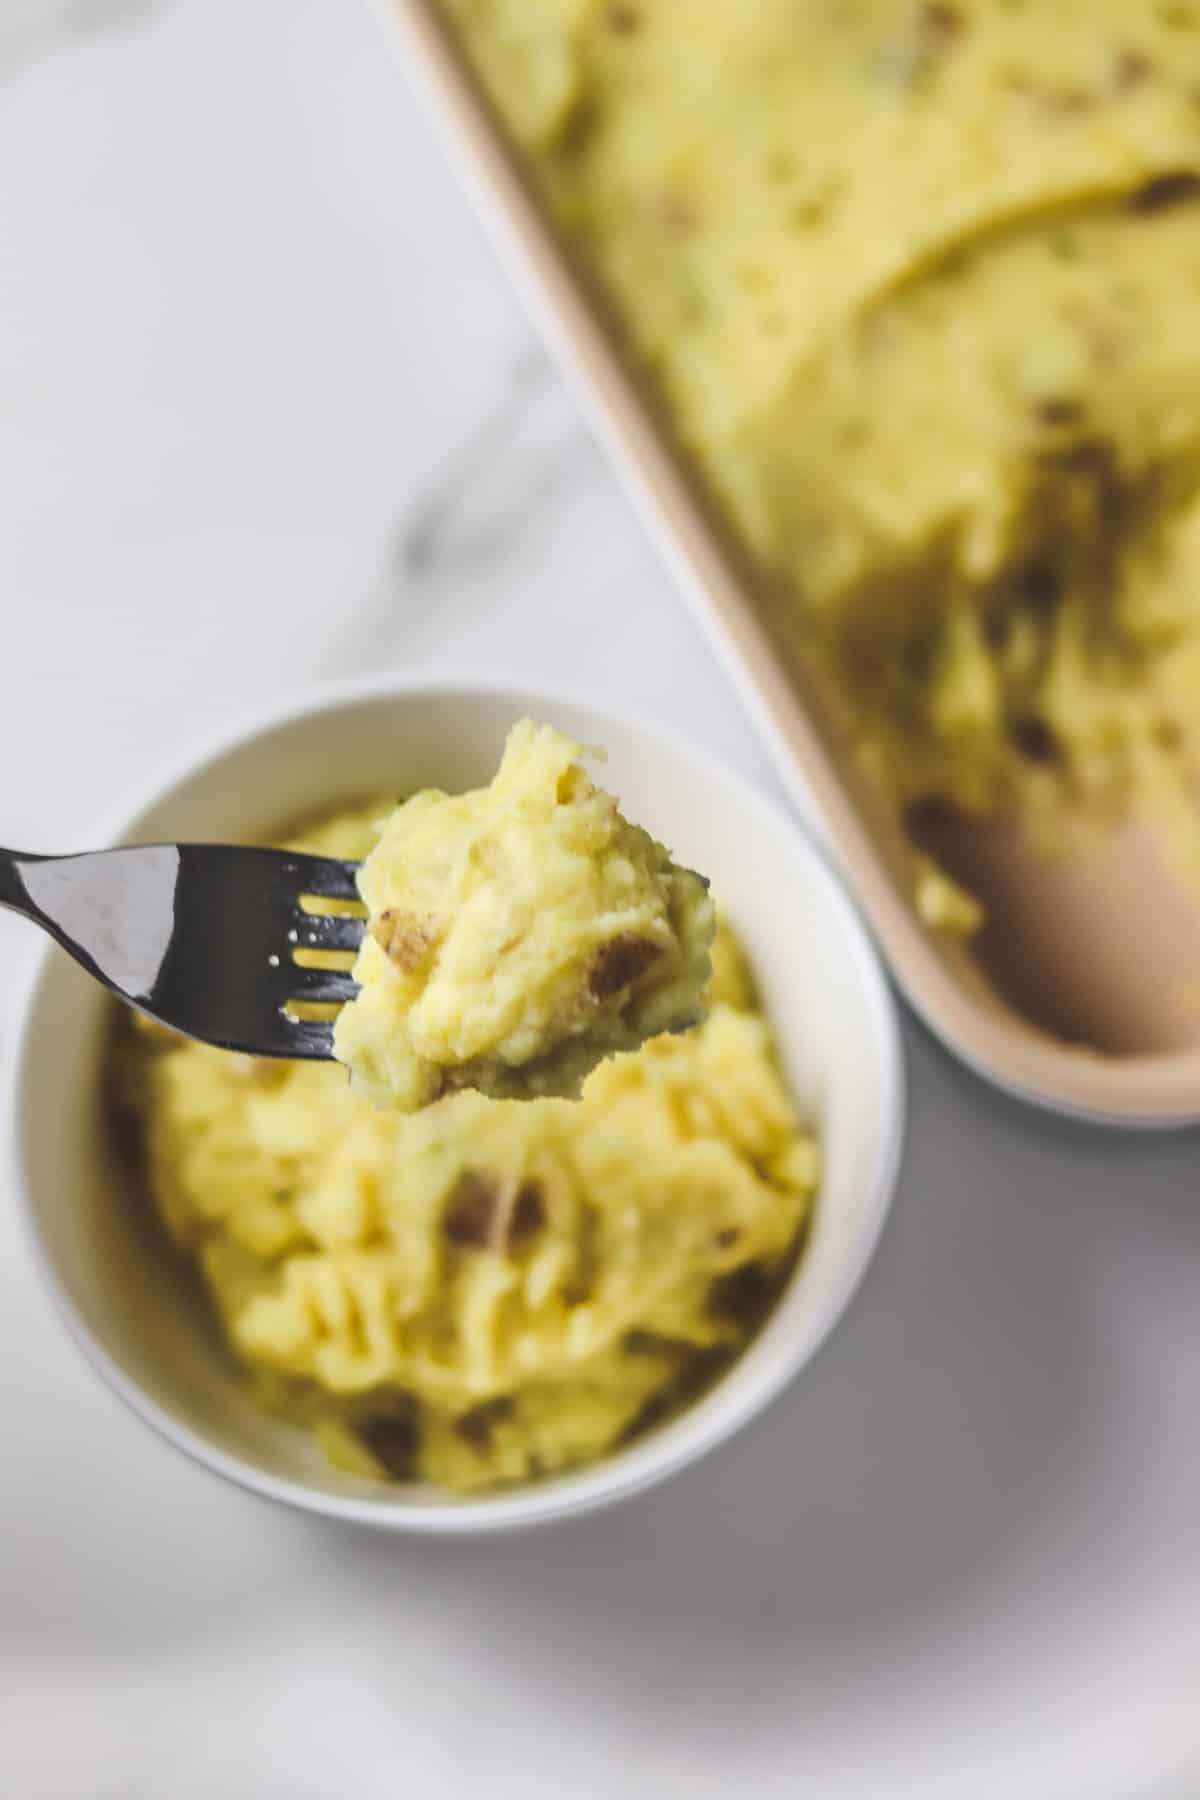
(917, 283)
(485, 1290)
(517, 935)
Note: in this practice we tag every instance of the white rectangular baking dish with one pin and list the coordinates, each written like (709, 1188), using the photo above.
(1083, 992)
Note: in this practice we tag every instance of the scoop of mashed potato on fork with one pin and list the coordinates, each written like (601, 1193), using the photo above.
(517, 935)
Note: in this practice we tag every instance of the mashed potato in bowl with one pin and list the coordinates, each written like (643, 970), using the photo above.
(915, 284)
(518, 934)
(483, 1291)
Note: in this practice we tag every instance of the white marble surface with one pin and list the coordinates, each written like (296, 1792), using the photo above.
(268, 412)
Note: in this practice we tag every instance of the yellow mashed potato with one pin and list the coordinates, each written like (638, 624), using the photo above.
(517, 935)
(917, 284)
(486, 1290)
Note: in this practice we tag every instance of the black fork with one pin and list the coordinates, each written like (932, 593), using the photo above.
(201, 937)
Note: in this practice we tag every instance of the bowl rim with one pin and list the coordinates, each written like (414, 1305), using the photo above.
(616, 1477)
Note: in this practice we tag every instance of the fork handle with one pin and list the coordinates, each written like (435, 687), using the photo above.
(13, 892)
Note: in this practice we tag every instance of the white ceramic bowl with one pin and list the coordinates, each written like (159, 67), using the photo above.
(126, 1302)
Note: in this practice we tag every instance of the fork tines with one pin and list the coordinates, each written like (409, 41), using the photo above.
(324, 877)
(314, 879)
